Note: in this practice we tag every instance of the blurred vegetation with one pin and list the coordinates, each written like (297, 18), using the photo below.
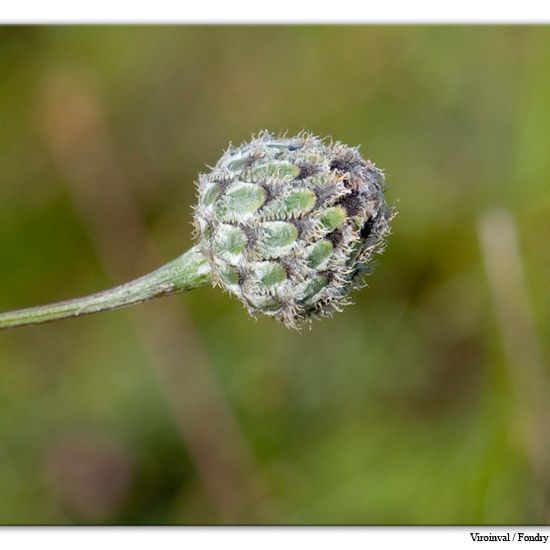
(402, 409)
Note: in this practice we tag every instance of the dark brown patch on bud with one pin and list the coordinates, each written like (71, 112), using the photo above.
(366, 230)
(335, 237)
(307, 170)
(352, 203)
(342, 165)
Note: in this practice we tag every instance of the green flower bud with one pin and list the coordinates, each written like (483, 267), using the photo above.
(289, 225)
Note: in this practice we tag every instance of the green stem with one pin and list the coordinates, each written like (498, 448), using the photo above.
(184, 273)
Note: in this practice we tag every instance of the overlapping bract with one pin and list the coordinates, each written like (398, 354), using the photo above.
(289, 225)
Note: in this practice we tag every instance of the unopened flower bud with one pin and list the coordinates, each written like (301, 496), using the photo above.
(289, 225)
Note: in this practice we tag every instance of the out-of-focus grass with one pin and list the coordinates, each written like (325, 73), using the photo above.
(401, 409)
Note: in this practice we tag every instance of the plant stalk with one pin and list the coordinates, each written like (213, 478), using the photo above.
(189, 271)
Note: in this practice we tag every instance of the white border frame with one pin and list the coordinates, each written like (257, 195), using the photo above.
(279, 11)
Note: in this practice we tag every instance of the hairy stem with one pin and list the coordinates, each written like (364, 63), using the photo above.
(184, 273)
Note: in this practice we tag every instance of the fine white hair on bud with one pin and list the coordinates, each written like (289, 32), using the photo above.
(290, 225)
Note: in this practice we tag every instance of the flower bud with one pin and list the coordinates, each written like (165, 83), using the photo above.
(289, 225)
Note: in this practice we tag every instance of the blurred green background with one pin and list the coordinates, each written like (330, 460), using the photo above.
(425, 402)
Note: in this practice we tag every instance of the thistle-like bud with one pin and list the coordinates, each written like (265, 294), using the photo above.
(289, 225)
